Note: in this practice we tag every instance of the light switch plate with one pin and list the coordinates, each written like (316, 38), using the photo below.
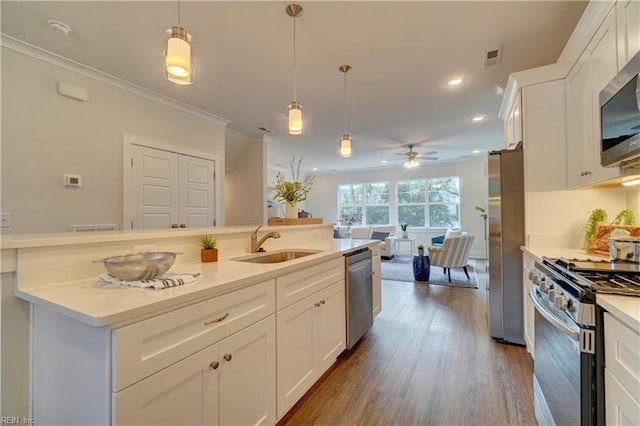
(5, 220)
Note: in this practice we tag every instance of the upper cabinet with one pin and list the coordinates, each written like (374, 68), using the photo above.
(628, 30)
(591, 73)
(513, 124)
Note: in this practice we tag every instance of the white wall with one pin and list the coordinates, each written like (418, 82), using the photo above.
(245, 198)
(45, 135)
(323, 198)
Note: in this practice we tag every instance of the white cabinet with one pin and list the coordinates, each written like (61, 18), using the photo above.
(230, 382)
(513, 123)
(247, 377)
(311, 334)
(528, 309)
(628, 30)
(207, 363)
(593, 71)
(185, 393)
(622, 372)
(376, 280)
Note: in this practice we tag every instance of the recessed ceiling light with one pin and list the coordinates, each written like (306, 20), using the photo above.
(384, 161)
(479, 117)
(58, 27)
(477, 151)
(455, 81)
(315, 169)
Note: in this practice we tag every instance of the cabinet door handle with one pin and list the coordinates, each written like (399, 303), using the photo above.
(322, 301)
(227, 357)
(214, 365)
(213, 321)
(183, 225)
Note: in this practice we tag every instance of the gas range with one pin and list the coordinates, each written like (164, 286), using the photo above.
(600, 276)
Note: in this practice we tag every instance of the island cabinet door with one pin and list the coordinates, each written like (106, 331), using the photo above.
(185, 393)
(330, 314)
(296, 350)
(248, 375)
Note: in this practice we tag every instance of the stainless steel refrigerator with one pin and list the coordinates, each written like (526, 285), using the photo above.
(506, 235)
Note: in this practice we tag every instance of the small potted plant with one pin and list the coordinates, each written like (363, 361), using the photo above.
(421, 249)
(209, 252)
(403, 227)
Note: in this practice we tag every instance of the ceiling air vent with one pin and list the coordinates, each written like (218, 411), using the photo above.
(492, 57)
(264, 129)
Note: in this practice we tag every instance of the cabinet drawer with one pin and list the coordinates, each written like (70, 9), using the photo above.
(144, 348)
(622, 354)
(300, 284)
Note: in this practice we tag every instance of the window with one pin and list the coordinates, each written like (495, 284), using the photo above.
(430, 203)
(366, 203)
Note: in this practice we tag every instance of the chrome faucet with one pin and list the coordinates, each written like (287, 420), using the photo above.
(255, 244)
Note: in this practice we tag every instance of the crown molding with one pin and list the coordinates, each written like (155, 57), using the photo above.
(79, 68)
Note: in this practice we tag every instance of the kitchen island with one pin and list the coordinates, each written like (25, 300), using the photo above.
(203, 352)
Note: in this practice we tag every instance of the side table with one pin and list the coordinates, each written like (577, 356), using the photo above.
(421, 268)
(411, 241)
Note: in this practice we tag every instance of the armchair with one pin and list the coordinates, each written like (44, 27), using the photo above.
(454, 253)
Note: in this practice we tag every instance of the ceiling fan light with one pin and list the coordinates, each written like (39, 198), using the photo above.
(295, 118)
(178, 57)
(345, 146)
(411, 163)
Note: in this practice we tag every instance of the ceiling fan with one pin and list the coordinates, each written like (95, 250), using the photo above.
(411, 157)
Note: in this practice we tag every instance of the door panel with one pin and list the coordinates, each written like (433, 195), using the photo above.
(155, 188)
(170, 189)
(198, 190)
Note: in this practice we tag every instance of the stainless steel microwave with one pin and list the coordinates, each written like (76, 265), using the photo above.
(620, 117)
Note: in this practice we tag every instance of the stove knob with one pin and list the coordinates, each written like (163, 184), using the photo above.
(531, 275)
(561, 302)
(544, 286)
(536, 279)
(552, 294)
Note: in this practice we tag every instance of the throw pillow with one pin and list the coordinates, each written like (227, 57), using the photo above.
(452, 233)
(375, 235)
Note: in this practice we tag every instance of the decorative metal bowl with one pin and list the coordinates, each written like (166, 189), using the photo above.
(141, 266)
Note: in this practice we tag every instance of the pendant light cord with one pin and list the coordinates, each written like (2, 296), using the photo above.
(295, 98)
(345, 102)
(178, 12)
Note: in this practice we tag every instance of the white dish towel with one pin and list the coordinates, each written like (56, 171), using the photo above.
(165, 281)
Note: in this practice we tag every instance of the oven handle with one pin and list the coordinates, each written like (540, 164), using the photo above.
(551, 317)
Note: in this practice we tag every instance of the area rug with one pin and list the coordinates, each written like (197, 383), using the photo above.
(400, 268)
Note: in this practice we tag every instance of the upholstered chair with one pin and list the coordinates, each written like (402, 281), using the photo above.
(454, 253)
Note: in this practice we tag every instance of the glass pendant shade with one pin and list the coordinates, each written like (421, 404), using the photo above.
(295, 118)
(178, 58)
(345, 146)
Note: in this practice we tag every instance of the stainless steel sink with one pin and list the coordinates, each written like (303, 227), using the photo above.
(276, 256)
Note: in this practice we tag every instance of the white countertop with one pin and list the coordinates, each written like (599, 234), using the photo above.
(96, 303)
(625, 308)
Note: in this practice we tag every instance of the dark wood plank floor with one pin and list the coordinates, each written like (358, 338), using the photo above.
(427, 360)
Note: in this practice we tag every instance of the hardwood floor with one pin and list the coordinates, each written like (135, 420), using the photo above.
(427, 360)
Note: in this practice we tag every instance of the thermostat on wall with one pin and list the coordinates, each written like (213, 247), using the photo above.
(73, 181)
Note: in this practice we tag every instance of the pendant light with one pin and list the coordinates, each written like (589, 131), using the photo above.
(295, 109)
(178, 54)
(345, 143)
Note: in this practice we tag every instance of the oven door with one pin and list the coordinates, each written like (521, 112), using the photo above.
(557, 367)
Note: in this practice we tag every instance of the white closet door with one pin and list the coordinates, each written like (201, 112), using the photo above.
(155, 195)
(197, 192)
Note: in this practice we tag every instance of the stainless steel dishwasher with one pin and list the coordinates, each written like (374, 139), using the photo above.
(359, 293)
